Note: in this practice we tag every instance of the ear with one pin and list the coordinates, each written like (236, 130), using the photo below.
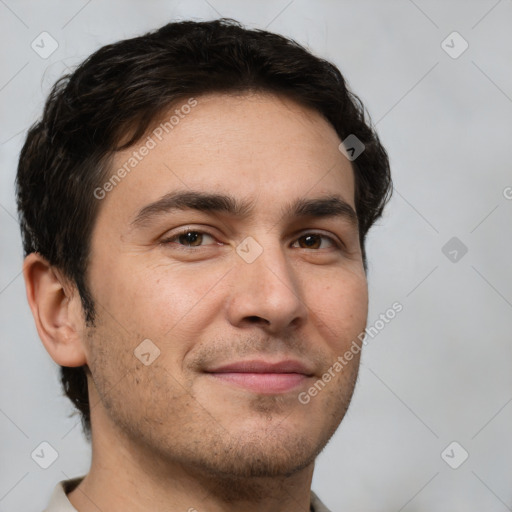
(57, 311)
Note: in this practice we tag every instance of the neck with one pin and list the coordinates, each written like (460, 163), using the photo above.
(125, 475)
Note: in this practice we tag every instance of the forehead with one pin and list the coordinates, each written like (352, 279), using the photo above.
(257, 146)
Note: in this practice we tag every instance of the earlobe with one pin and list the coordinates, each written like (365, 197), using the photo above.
(55, 305)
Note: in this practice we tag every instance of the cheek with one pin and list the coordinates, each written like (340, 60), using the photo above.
(340, 308)
(160, 301)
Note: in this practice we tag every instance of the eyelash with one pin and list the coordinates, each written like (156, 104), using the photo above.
(175, 236)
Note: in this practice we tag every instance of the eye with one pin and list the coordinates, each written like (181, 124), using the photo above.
(315, 241)
(190, 238)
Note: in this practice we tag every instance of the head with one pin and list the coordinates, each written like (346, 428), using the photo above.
(186, 191)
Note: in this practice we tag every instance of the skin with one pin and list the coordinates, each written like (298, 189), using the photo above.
(168, 436)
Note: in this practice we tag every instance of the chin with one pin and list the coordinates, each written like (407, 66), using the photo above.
(276, 450)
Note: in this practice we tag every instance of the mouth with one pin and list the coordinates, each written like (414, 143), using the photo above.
(263, 377)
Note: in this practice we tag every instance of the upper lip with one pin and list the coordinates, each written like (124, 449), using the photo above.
(260, 366)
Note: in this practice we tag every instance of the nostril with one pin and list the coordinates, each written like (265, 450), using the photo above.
(257, 320)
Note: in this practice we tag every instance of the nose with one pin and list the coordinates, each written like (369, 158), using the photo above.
(267, 293)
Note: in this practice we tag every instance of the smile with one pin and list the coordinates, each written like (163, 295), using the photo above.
(263, 377)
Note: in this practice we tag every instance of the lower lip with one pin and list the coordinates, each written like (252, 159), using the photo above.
(266, 383)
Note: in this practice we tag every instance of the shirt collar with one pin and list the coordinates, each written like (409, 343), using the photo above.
(59, 501)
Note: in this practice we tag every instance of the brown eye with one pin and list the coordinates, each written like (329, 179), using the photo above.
(314, 241)
(190, 238)
(310, 241)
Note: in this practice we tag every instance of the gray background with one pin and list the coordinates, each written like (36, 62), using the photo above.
(441, 370)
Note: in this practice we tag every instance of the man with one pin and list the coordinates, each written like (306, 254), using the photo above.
(194, 233)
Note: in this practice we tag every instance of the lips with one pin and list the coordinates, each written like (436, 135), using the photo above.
(263, 376)
(259, 366)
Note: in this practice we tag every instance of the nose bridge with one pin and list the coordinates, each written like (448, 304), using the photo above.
(266, 285)
(273, 270)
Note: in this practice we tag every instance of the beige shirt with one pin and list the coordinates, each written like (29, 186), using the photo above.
(59, 501)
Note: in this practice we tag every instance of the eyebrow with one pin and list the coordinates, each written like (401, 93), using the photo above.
(328, 206)
(331, 206)
(187, 200)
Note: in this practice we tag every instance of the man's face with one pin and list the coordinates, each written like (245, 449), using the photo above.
(188, 279)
